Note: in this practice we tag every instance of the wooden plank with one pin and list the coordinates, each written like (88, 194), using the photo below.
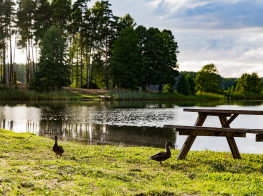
(259, 137)
(213, 111)
(233, 147)
(234, 130)
(190, 139)
(230, 120)
(231, 141)
(209, 133)
(186, 147)
(215, 114)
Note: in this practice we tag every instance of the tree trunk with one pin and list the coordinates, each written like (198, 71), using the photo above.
(27, 65)
(36, 57)
(88, 67)
(77, 70)
(11, 64)
(106, 68)
(160, 87)
(33, 58)
(81, 65)
(4, 65)
(143, 88)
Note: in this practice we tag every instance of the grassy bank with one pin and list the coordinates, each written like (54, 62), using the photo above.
(29, 167)
(135, 95)
(14, 93)
(237, 96)
(10, 92)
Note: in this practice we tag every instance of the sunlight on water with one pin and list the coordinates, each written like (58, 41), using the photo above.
(128, 123)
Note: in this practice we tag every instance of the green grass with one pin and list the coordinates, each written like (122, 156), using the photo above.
(29, 167)
(135, 95)
(9, 93)
(239, 96)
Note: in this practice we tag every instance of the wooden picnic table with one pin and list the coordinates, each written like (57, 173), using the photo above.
(225, 130)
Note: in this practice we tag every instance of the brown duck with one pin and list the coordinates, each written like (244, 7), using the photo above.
(56, 148)
(162, 156)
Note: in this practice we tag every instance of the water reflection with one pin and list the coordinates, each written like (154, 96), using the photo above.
(89, 123)
(121, 123)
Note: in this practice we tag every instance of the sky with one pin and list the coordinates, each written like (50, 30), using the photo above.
(227, 33)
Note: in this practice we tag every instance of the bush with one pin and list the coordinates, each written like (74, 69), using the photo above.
(91, 86)
(168, 88)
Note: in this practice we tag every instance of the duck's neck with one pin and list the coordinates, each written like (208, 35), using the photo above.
(167, 148)
(56, 142)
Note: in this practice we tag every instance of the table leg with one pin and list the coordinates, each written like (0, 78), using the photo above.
(231, 141)
(191, 138)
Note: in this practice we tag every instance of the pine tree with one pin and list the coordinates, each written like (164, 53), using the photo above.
(54, 71)
(182, 86)
(191, 84)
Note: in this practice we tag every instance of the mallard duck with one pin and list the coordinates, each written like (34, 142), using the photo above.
(56, 148)
(162, 156)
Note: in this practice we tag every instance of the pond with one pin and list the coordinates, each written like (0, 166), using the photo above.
(127, 123)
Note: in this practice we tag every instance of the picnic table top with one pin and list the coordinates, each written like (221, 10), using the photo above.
(224, 129)
(220, 111)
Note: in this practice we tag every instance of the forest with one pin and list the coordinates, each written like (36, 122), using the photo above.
(88, 36)
(89, 47)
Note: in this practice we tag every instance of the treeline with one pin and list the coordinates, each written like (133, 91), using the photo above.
(90, 35)
(209, 80)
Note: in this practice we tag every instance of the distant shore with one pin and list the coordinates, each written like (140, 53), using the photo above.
(20, 92)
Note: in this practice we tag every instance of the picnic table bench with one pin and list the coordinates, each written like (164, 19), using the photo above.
(225, 130)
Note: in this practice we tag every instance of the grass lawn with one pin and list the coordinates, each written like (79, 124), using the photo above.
(83, 93)
(30, 167)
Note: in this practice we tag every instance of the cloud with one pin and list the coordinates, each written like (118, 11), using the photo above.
(227, 33)
(212, 14)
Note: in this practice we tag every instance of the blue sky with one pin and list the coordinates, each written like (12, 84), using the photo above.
(228, 33)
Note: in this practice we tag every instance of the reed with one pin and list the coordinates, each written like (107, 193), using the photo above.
(9, 93)
(135, 95)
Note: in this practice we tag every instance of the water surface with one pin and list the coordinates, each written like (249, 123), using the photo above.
(127, 123)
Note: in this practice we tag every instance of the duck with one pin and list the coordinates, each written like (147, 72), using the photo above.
(163, 156)
(56, 148)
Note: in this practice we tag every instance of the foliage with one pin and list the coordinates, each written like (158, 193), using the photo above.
(61, 11)
(144, 57)
(54, 71)
(169, 88)
(225, 83)
(170, 53)
(249, 84)
(191, 73)
(30, 167)
(207, 79)
(20, 69)
(42, 16)
(125, 63)
(183, 86)
(191, 84)
(91, 33)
